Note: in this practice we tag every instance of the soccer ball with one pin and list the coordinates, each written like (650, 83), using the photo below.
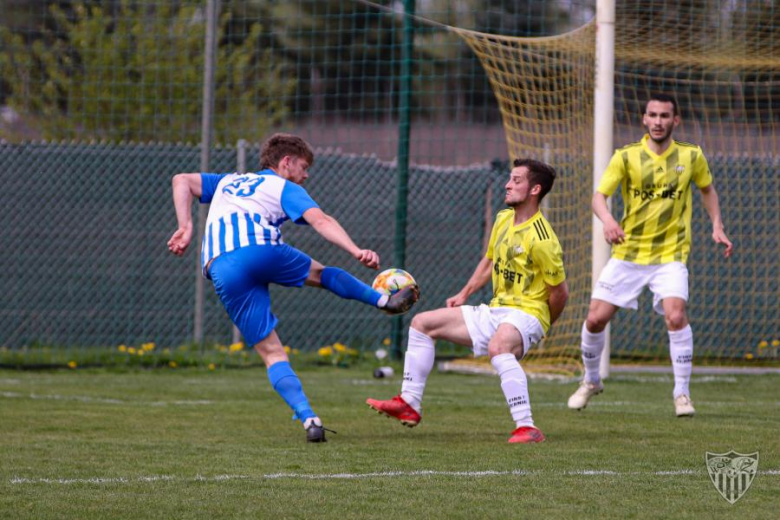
(390, 281)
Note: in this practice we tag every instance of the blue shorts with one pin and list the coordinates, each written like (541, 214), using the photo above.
(241, 278)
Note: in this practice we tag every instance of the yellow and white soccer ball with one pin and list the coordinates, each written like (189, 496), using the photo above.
(390, 281)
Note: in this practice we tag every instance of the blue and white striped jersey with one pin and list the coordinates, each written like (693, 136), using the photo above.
(248, 209)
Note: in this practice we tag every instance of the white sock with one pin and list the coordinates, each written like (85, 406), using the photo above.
(592, 346)
(681, 351)
(515, 387)
(418, 362)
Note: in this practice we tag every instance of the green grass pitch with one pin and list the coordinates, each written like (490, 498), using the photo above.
(196, 444)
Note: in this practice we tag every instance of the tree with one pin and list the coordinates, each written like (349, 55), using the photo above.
(348, 54)
(136, 74)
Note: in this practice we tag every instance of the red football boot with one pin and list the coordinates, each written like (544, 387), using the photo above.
(396, 408)
(527, 434)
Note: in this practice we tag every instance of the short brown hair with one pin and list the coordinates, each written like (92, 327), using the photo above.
(279, 146)
(663, 98)
(538, 173)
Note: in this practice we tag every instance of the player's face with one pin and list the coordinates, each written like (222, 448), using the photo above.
(295, 169)
(660, 120)
(518, 189)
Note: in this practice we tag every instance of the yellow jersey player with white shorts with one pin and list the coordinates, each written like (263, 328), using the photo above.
(524, 260)
(650, 245)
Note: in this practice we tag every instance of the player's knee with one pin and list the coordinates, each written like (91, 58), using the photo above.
(596, 323)
(422, 322)
(676, 319)
(496, 349)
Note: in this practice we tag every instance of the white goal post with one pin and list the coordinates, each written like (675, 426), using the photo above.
(602, 136)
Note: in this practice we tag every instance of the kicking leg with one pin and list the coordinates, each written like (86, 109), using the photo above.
(343, 284)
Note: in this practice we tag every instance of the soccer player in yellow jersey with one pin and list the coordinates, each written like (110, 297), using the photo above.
(525, 262)
(651, 244)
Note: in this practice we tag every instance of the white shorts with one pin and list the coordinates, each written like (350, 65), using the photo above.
(622, 282)
(483, 320)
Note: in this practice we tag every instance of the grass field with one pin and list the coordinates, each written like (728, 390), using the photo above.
(220, 444)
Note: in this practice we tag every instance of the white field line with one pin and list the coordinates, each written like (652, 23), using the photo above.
(107, 400)
(356, 476)
(668, 379)
(650, 404)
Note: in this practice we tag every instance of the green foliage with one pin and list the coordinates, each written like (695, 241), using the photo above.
(354, 52)
(138, 72)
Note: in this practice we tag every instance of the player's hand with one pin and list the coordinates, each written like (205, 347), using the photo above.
(613, 233)
(180, 240)
(457, 300)
(719, 236)
(368, 258)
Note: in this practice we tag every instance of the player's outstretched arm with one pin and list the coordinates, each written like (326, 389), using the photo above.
(185, 187)
(711, 203)
(480, 277)
(329, 228)
(558, 295)
(613, 233)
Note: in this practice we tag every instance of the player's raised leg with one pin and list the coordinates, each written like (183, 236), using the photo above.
(343, 284)
(681, 352)
(447, 324)
(592, 345)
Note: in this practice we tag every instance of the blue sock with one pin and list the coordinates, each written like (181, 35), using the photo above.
(343, 284)
(286, 383)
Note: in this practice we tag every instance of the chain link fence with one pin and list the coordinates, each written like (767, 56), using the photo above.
(89, 267)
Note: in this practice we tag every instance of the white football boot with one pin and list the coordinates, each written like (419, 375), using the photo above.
(683, 406)
(580, 398)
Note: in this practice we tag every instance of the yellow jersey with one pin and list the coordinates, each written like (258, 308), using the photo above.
(657, 199)
(526, 258)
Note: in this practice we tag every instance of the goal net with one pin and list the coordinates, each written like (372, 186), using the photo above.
(721, 61)
(544, 88)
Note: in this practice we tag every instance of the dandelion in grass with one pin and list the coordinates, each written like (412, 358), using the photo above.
(147, 347)
(72, 364)
(236, 347)
(748, 356)
(173, 364)
(130, 350)
(386, 342)
(122, 348)
(325, 351)
(212, 366)
(763, 344)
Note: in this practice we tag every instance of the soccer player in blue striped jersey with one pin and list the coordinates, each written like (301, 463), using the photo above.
(243, 252)
(524, 262)
(651, 243)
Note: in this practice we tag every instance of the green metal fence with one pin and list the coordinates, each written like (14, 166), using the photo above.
(89, 264)
(101, 100)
